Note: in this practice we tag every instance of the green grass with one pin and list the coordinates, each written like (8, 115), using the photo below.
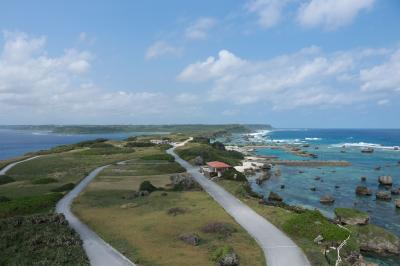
(208, 153)
(39, 240)
(29, 205)
(63, 188)
(44, 180)
(159, 157)
(350, 213)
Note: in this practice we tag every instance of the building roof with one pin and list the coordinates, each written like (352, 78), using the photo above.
(217, 164)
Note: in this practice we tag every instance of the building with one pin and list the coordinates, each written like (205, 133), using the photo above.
(215, 168)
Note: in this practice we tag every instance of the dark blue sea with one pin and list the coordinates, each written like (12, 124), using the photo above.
(15, 143)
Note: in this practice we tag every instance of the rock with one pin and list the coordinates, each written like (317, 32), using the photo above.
(351, 216)
(397, 203)
(327, 199)
(317, 178)
(377, 168)
(164, 194)
(198, 160)
(363, 191)
(337, 186)
(395, 191)
(383, 195)
(230, 259)
(301, 172)
(282, 186)
(278, 173)
(176, 210)
(274, 196)
(263, 177)
(313, 189)
(376, 240)
(363, 178)
(143, 193)
(318, 239)
(385, 180)
(128, 205)
(191, 239)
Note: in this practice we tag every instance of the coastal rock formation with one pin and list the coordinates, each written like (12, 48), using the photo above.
(395, 191)
(278, 173)
(363, 191)
(351, 216)
(385, 180)
(313, 189)
(317, 178)
(363, 178)
(383, 195)
(397, 202)
(377, 240)
(263, 177)
(191, 239)
(274, 197)
(327, 199)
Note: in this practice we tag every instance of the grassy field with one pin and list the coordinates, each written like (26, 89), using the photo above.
(143, 230)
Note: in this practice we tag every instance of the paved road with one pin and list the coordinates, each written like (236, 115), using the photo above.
(99, 252)
(11, 165)
(279, 249)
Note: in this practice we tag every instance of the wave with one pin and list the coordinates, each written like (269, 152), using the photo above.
(366, 145)
(312, 138)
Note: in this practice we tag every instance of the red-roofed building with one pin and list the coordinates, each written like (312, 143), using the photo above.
(216, 167)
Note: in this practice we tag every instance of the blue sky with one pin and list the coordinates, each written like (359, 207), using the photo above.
(291, 63)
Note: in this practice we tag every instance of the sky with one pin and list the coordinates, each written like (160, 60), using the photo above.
(289, 63)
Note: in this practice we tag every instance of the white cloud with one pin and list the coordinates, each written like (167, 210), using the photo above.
(269, 12)
(37, 87)
(198, 30)
(85, 38)
(383, 102)
(161, 48)
(305, 78)
(331, 14)
(385, 76)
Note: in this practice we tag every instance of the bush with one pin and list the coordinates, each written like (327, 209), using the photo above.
(139, 144)
(176, 210)
(101, 145)
(159, 157)
(29, 205)
(4, 199)
(65, 187)
(233, 174)
(4, 179)
(44, 180)
(148, 186)
(218, 145)
(310, 224)
(223, 229)
(221, 252)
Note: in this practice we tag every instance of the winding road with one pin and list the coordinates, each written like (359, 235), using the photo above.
(278, 248)
(11, 165)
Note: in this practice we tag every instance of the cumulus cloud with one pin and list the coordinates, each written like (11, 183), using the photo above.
(331, 14)
(161, 48)
(199, 29)
(37, 87)
(305, 78)
(269, 12)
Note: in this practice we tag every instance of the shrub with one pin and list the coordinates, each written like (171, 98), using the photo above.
(4, 179)
(44, 180)
(233, 174)
(223, 229)
(148, 186)
(176, 210)
(218, 145)
(132, 138)
(65, 187)
(101, 145)
(4, 199)
(29, 205)
(159, 157)
(139, 144)
(221, 252)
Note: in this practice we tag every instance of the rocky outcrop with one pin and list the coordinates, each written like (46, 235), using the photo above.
(385, 180)
(191, 239)
(377, 240)
(363, 178)
(230, 259)
(397, 203)
(363, 191)
(263, 177)
(395, 191)
(198, 160)
(383, 195)
(351, 216)
(327, 199)
(274, 197)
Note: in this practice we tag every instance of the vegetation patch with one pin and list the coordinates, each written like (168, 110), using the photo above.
(220, 228)
(221, 252)
(176, 211)
(4, 179)
(63, 188)
(159, 157)
(348, 213)
(147, 186)
(44, 180)
(233, 174)
(29, 205)
(4, 199)
(40, 240)
(139, 144)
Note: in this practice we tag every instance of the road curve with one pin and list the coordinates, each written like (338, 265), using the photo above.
(98, 251)
(279, 249)
(11, 165)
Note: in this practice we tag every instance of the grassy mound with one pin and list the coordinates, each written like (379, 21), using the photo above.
(348, 213)
(39, 240)
(29, 205)
(4, 179)
(44, 180)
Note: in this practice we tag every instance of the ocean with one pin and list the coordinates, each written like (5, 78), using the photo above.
(14, 143)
